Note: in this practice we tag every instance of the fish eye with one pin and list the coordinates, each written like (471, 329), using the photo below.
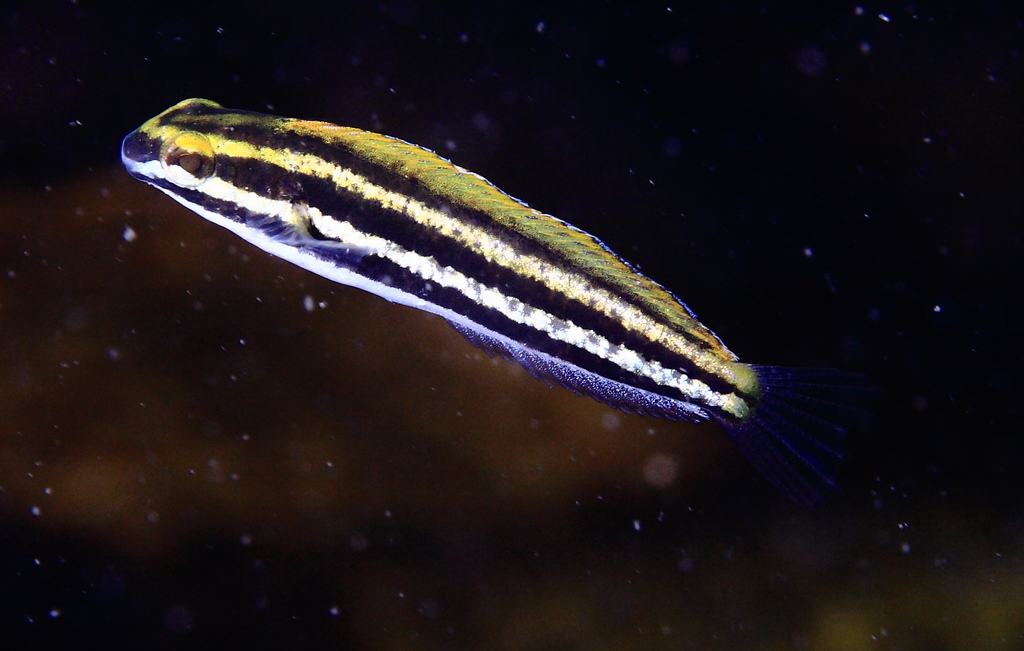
(188, 160)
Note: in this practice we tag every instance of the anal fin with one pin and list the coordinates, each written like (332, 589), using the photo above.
(582, 382)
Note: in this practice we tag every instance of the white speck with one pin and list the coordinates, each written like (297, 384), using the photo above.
(54, 613)
(865, 48)
(858, 11)
(47, 491)
(808, 252)
(333, 610)
(35, 511)
(926, 140)
(610, 421)
(540, 27)
(660, 470)
(129, 234)
(308, 303)
(636, 525)
(937, 309)
(481, 122)
(905, 548)
(883, 18)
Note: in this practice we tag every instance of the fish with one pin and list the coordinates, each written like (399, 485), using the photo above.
(397, 220)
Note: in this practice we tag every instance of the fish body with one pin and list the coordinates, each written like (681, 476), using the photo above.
(399, 221)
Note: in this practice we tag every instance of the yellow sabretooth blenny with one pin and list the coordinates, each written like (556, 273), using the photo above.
(401, 222)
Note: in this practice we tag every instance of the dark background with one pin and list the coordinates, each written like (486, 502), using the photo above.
(190, 457)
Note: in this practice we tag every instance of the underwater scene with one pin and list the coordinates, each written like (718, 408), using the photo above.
(204, 445)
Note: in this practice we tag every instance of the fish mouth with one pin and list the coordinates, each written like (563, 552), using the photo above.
(136, 152)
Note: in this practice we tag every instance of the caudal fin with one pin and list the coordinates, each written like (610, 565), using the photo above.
(796, 436)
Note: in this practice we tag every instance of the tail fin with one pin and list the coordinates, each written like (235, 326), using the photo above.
(795, 438)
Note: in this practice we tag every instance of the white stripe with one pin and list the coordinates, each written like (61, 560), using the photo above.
(573, 285)
(513, 309)
(429, 269)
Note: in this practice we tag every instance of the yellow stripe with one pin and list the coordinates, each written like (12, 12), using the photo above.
(463, 188)
(714, 358)
(473, 191)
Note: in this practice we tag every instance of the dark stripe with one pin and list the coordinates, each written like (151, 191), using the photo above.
(338, 154)
(270, 180)
(227, 209)
(398, 277)
(369, 217)
(276, 133)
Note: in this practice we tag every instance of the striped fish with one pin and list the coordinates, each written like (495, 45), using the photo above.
(397, 220)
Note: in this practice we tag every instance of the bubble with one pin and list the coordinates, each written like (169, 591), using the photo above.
(611, 421)
(660, 470)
